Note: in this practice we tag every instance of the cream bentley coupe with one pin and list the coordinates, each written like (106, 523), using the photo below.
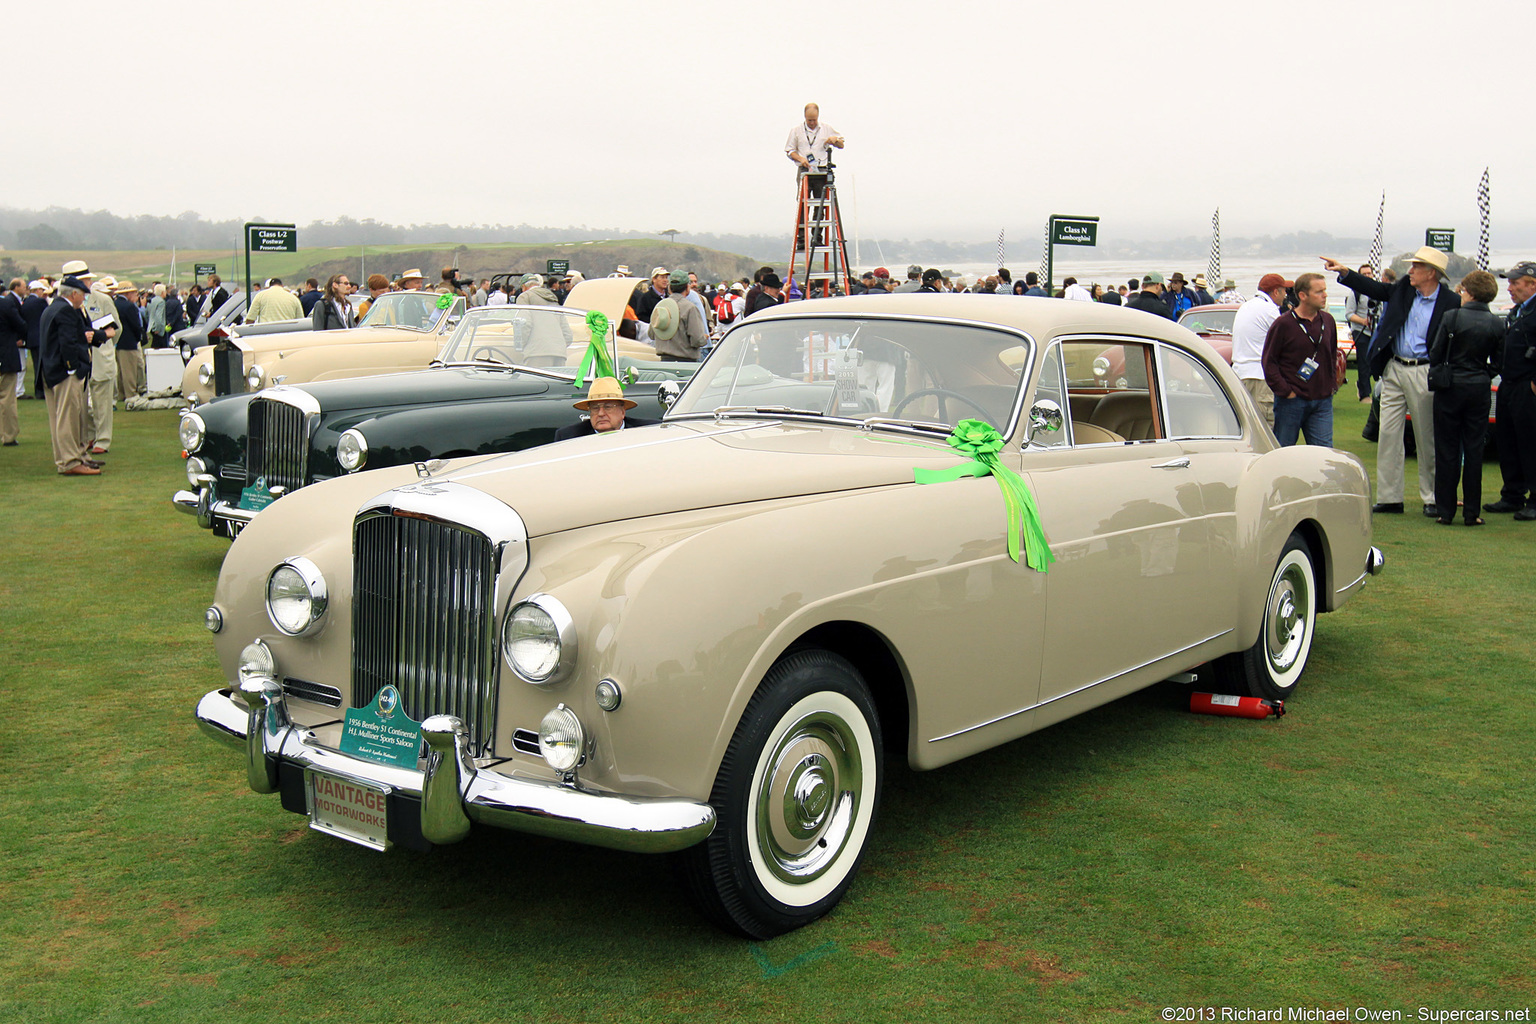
(917, 526)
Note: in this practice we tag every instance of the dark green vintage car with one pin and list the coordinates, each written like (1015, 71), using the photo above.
(244, 451)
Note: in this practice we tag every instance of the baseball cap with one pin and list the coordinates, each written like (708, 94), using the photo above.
(662, 271)
(1525, 268)
(1269, 282)
(1153, 277)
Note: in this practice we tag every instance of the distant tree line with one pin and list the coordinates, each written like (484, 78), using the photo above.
(58, 229)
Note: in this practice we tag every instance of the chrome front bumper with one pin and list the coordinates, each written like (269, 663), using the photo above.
(206, 508)
(452, 790)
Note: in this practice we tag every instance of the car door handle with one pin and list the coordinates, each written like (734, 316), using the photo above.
(1179, 463)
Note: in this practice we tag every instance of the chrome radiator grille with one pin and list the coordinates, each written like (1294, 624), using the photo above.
(422, 619)
(277, 443)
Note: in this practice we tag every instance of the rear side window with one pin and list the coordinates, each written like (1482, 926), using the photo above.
(1198, 405)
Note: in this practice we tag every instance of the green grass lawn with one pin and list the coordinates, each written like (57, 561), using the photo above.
(1372, 849)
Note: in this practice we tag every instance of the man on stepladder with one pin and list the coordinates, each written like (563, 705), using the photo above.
(808, 142)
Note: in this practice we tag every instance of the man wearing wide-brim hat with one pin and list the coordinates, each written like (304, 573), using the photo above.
(129, 342)
(677, 327)
(101, 390)
(411, 280)
(1400, 357)
(606, 409)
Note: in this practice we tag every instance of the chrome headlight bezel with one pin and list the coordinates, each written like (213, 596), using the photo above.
(205, 374)
(552, 624)
(352, 450)
(254, 377)
(315, 597)
(191, 431)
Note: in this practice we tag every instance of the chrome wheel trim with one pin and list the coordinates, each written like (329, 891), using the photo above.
(811, 799)
(1289, 616)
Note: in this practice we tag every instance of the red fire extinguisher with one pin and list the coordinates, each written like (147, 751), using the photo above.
(1239, 707)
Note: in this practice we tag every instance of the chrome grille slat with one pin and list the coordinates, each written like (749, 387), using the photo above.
(277, 443)
(422, 610)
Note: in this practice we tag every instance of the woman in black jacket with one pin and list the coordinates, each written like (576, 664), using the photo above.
(1464, 347)
(333, 312)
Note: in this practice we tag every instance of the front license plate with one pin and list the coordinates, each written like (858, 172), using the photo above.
(354, 811)
(233, 527)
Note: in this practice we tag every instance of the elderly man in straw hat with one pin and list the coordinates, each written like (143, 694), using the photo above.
(1400, 357)
(101, 316)
(605, 406)
(411, 280)
(129, 342)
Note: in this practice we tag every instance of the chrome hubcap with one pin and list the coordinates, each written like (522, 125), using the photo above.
(808, 797)
(1286, 626)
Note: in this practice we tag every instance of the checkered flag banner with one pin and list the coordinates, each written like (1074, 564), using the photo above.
(1213, 266)
(1045, 257)
(1374, 259)
(1482, 222)
(1001, 262)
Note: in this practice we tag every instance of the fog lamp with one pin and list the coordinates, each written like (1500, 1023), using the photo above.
(561, 739)
(256, 662)
(196, 467)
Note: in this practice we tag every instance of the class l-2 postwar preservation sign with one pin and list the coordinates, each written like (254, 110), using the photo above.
(1443, 239)
(1074, 232)
(553, 267)
(204, 269)
(272, 238)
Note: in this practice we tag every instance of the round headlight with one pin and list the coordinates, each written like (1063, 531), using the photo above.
(191, 430)
(253, 377)
(205, 374)
(296, 597)
(561, 739)
(1101, 366)
(213, 619)
(538, 639)
(256, 662)
(196, 467)
(352, 450)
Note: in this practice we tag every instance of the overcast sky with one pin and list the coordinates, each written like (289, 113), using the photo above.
(961, 119)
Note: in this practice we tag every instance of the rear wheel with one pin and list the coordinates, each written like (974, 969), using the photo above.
(795, 796)
(1273, 666)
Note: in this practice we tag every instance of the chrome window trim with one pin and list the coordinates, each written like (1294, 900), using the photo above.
(1163, 347)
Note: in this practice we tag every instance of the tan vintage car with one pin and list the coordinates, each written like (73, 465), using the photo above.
(868, 528)
(403, 331)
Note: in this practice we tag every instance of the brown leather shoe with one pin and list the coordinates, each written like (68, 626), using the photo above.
(98, 450)
(81, 471)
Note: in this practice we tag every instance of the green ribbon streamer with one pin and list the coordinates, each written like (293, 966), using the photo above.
(595, 360)
(981, 441)
(444, 300)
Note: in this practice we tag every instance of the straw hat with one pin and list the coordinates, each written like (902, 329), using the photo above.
(604, 389)
(413, 272)
(125, 288)
(1431, 257)
(664, 319)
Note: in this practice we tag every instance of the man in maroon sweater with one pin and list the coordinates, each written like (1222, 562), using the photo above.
(1300, 358)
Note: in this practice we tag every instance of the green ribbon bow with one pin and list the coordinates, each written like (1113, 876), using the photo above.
(595, 360)
(445, 300)
(981, 441)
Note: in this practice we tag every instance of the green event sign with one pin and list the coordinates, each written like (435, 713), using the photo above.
(272, 238)
(382, 732)
(204, 269)
(1443, 239)
(1074, 232)
(553, 267)
(256, 497)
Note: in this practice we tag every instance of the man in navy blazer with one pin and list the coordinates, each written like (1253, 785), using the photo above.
(605, 406)
(1400, 357)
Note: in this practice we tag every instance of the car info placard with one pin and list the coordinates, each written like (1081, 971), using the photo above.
(382, 732)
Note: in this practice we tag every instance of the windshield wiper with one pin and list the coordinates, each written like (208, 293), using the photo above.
(889, 421)
(771, 410)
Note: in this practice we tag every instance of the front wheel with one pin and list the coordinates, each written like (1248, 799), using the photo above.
(795, 796)
(1272, 667)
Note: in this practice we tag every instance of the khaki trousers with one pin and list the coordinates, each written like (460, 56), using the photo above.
(66, 418)
(10, 426)
(130, 372)
(103, 384)
(1405, 391)
(1263, 397)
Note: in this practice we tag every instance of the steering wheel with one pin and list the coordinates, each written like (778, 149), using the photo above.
(941, 394)
(496, 354)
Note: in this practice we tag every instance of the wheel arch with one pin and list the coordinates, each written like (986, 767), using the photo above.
(873, 656)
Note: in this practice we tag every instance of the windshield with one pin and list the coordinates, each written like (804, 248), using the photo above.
(1209, 321)
(862, 369)
(522, 335)
(418, 311)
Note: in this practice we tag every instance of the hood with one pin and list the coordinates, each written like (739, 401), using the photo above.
(442, 386)
(677, 467)
(289, 341)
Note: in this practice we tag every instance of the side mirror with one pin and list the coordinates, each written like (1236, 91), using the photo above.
(667, 392)
(1044, 418)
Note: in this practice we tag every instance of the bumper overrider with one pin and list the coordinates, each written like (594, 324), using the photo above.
(208, 509)
(451, 792)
